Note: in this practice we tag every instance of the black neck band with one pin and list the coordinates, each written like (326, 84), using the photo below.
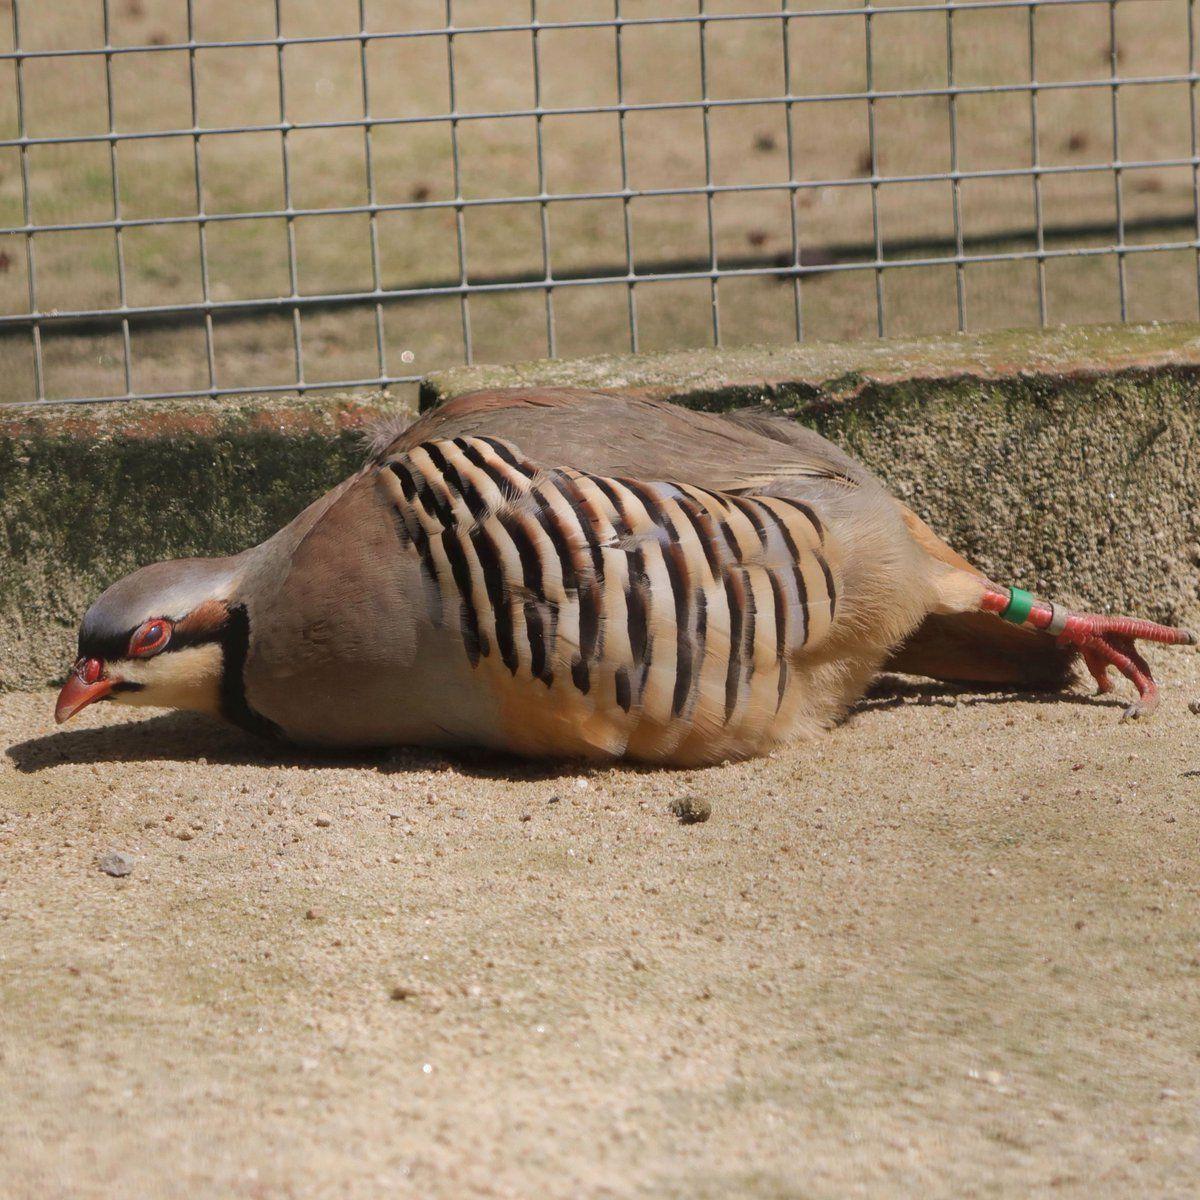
(235, 646)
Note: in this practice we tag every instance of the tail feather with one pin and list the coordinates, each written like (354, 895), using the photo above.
(981, 648)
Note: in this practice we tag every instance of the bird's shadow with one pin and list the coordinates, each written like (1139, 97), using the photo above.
(188, 737)
(894, 691)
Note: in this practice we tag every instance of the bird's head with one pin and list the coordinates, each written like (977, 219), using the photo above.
(156, 637)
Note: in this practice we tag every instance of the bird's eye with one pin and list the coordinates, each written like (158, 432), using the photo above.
(150, 638)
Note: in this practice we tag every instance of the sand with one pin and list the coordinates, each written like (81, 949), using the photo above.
(951, 949)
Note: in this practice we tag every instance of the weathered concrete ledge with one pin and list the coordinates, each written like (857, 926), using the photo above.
(824, 372)
(1065, 459)
(89, 493)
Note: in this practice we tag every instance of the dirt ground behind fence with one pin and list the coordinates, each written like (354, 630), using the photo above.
(243, 173)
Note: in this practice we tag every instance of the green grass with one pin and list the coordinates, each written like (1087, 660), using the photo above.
(244, 173)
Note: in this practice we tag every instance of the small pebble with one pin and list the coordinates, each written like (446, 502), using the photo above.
(1194, 708)
(313, 914)
(115, 863)
(323, 822)
(401, 992)
(691, 810)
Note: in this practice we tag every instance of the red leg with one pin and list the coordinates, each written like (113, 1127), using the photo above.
(1102, 641)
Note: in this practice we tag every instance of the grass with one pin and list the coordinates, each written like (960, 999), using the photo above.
(243, 173)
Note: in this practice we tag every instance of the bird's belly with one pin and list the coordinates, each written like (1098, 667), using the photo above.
(531, 718)
(441, 699)
(568, 615)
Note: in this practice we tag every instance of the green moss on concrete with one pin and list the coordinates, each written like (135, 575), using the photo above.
(87, 495)
(1067, 460)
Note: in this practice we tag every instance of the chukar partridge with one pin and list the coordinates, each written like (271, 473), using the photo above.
(577, 574)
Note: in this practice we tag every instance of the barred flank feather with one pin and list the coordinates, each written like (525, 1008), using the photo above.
(649, 613)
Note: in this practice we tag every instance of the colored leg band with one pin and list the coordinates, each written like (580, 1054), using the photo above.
(1020, 605)
(1058, 619)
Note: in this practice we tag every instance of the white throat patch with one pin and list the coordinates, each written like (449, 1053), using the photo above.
(189, 678)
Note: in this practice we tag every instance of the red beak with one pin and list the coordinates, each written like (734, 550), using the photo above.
(84, 685)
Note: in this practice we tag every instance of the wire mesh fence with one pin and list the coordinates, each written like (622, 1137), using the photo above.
(229, 197)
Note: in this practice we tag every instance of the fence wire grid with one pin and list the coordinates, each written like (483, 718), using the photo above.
(240, 197)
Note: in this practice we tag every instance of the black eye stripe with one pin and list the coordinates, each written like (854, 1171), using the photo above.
(105, 646)
(181, 636)
(110, 646)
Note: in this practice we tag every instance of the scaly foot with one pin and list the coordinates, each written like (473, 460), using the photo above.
(1103, 642)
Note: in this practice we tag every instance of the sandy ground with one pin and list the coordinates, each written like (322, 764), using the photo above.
(949, 950)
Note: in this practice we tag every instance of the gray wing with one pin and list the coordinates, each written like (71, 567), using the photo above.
(616, 434)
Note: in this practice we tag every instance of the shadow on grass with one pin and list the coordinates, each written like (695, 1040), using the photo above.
(188, 737)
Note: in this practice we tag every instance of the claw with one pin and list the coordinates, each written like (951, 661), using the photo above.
(1106, 648)
(1140, 708)
(1103, 642)
(1098, 667)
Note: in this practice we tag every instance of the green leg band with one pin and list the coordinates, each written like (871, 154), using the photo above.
(1020, 605)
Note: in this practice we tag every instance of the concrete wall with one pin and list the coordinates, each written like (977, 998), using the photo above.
(1067, 461)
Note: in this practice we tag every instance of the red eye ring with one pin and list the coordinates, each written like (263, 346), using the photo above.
(150, 638)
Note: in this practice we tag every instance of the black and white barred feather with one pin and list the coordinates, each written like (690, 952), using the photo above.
(667, 609)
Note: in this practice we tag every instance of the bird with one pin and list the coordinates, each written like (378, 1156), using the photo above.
(578, 574)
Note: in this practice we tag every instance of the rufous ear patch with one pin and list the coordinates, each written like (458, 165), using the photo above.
(203, 623)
